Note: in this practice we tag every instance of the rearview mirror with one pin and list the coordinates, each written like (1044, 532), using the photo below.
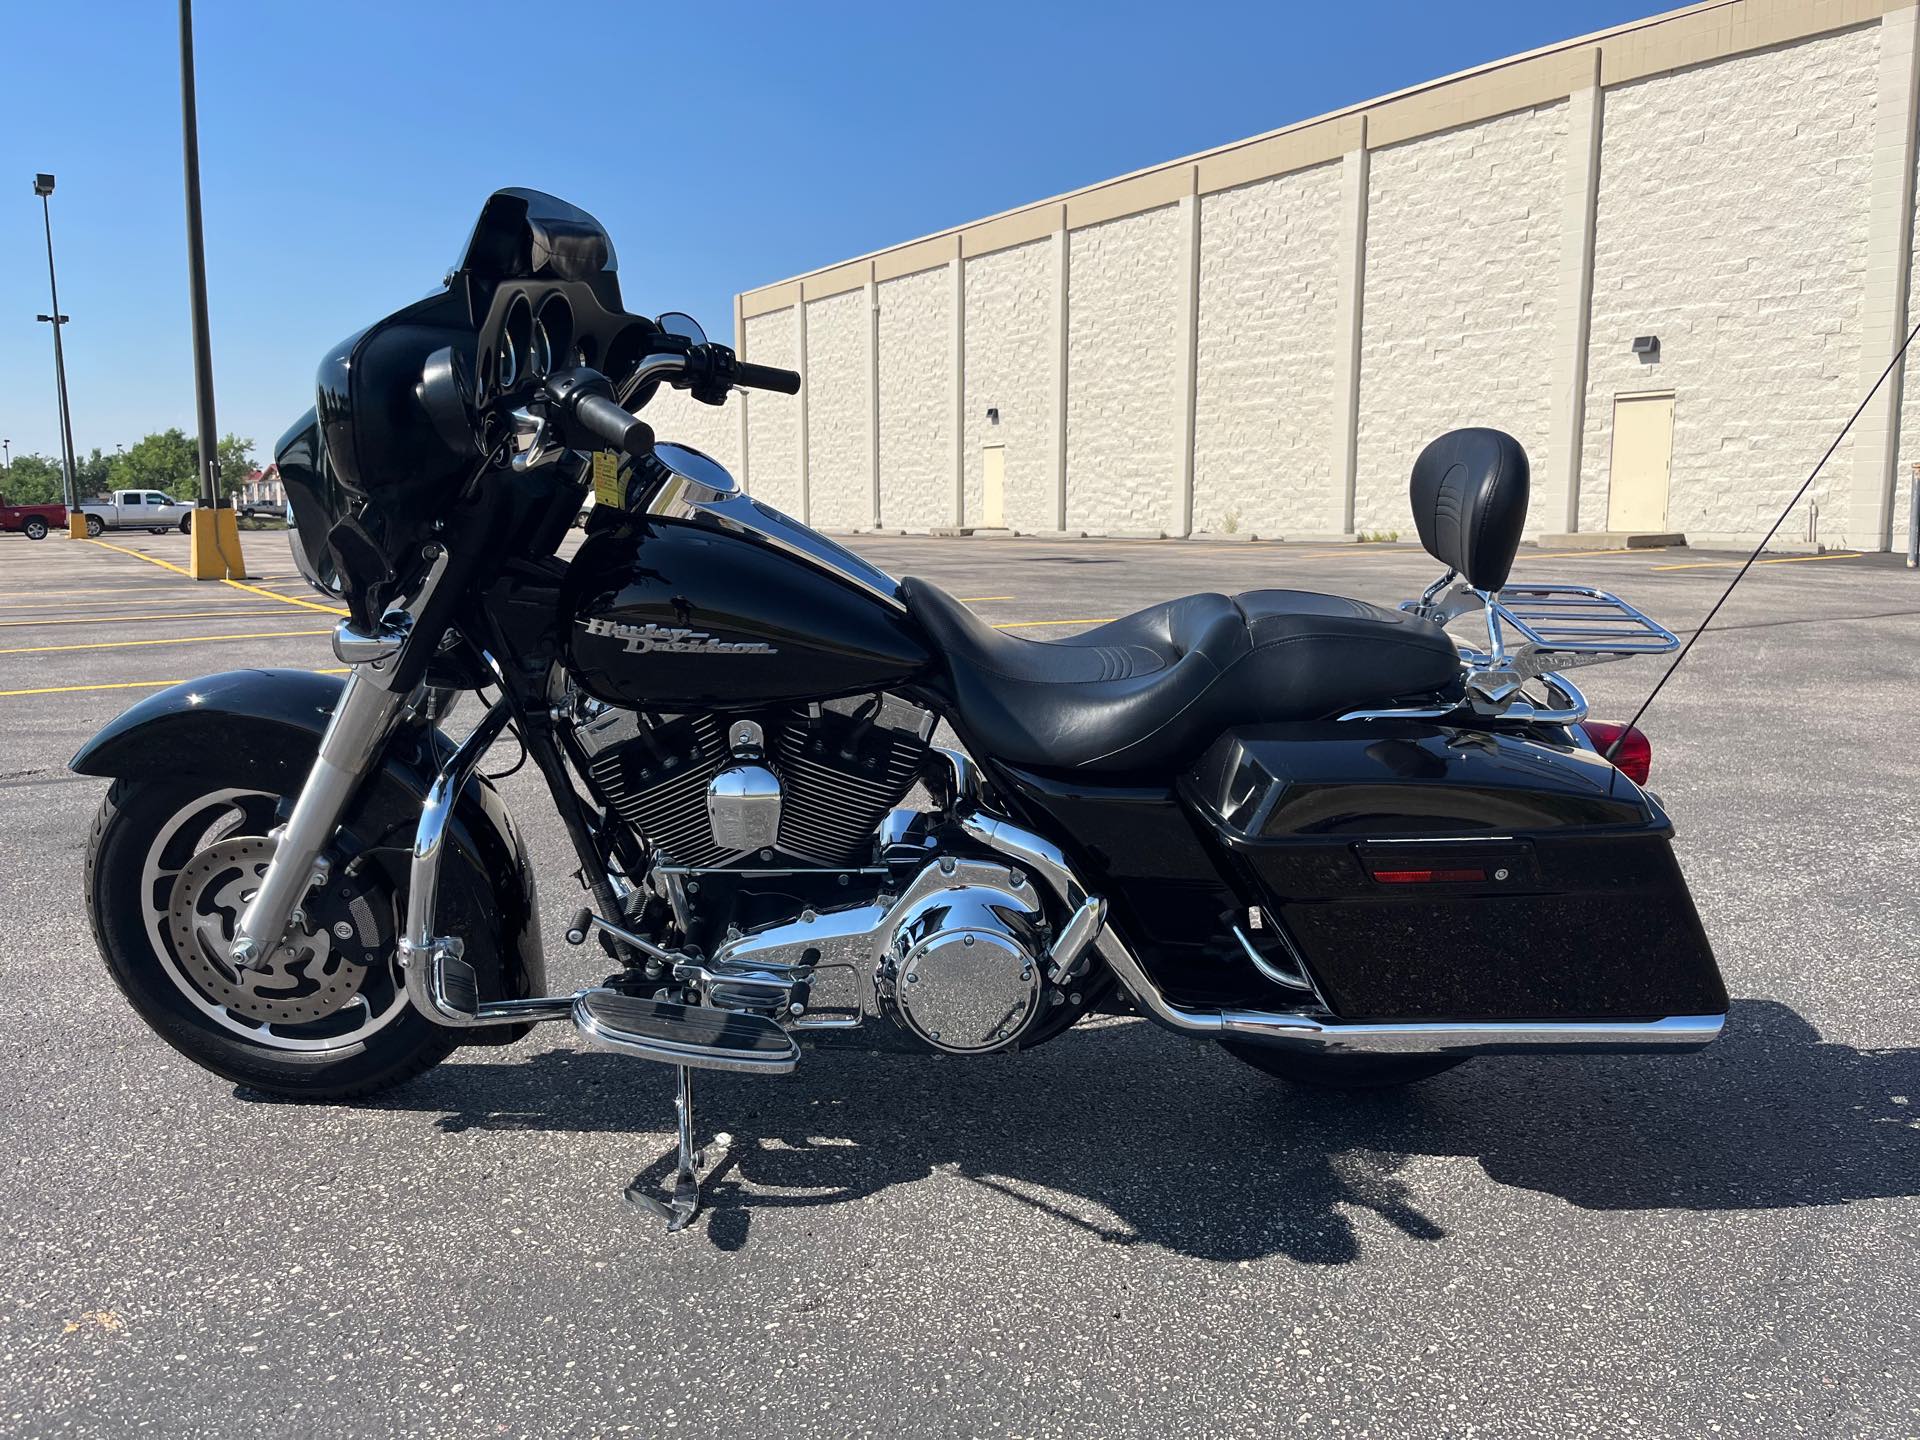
(678, 322)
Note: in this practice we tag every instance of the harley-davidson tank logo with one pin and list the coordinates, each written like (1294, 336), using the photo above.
(650, 638)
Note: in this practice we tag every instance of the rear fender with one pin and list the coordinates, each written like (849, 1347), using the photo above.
(262, 728)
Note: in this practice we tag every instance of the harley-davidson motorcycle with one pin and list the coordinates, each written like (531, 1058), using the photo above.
(1349, 846)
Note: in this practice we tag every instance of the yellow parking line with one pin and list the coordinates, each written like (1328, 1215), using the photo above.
(142, 555)
(236, 584)
(1582, 554)
(1735, 564)
(170, 640)
(1030, 624)
(979, 599)
(163, 615)
(79, 607)
(286, 599)
(6, 595)
(121, 685)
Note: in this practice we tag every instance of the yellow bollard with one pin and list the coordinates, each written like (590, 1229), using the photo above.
(214, 549)
(227, 522)
(76, 525)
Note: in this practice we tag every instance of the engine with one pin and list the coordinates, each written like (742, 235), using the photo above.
(811, 784)
(782, 868)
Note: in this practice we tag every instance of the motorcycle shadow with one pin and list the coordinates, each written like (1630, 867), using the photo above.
(1137, 1137)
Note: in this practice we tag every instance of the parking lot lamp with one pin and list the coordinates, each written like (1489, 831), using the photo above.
(216, 534)
(76, 525)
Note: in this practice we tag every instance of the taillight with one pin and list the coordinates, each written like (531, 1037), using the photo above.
(1625, 745)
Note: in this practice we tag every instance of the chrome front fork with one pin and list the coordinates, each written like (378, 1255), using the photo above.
(350, 748)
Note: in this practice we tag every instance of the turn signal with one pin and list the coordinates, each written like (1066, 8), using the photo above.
(1625, 745)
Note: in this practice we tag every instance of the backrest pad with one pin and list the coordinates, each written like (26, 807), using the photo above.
(1470, 503)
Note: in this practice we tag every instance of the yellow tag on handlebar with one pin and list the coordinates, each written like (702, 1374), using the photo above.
(607, 489)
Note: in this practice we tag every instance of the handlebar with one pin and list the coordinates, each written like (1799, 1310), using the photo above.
(766, 377)
(584, 403)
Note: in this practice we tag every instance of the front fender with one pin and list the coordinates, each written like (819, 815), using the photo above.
(262, 729)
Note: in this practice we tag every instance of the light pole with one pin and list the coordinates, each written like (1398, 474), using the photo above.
(216, 541)
(43, 187)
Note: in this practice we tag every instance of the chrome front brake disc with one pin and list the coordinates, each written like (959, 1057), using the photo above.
(320, 964)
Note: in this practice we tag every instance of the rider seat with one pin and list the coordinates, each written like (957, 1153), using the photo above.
(1151, 691)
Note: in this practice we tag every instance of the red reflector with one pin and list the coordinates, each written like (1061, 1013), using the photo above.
(1625, 745)
(1429, 877)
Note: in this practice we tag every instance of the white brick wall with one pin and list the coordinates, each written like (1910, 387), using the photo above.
(715, 429)
(1126, 280)
(1263, 451)
(1010, 366)
(1732, 223)
(839, 458)
(916, 401)
(1463, 246)
(773, 420)
(1734, 217)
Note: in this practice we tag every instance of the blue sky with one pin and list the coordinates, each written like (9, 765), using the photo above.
(346, 148)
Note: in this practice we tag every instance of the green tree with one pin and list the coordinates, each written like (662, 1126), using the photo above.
(34, 480)
(161, 461)
(236, 463)
(94, 475)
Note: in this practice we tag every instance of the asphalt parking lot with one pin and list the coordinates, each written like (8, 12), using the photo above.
(1122, 1233)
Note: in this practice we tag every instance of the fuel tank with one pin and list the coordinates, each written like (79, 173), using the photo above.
(668, 614)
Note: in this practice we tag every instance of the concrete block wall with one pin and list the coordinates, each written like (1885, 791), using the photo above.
(1010, 369)
(839, 455)
(678, 417)
(1262, 337)
(1732, 223)
(1463, 246)
(1123, 357)
(1263, 431)
(773, 420)
(916, 411)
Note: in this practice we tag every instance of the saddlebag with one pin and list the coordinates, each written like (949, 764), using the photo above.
(1421, 872)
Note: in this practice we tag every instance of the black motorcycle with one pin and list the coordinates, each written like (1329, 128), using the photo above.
(1348, 846)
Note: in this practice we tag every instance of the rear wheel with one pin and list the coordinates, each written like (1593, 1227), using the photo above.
(96, 527)
(156, 529)
(169, 865)
(36, 528)
(1342, 1072)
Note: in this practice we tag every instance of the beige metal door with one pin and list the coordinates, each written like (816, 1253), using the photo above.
(1642, 462)
(993, 487)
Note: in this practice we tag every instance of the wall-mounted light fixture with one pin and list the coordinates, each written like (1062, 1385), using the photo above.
(1647, 347)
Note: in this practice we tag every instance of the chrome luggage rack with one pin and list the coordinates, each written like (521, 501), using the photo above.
(1534, 632)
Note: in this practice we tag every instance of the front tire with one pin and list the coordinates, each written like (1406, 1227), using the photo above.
(186, 524)
(1341, 1072)
(36, 528)
(145, 834)
(96, 527)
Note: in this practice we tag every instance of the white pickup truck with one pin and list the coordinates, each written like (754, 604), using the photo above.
(138, 510)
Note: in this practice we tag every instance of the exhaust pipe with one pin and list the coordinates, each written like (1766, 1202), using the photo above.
(1292, 1030)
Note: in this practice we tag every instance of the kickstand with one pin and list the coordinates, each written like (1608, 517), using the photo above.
(683, 1204)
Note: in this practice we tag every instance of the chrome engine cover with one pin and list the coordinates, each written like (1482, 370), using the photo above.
(957, 959)
(743, 808)
(963, 971)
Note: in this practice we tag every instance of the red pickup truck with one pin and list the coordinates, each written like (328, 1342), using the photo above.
(34, 521)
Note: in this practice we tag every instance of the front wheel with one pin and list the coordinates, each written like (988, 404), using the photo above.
(1341, 1072)
(170, 865)
(186, 524)
(96, 527)
(36, 528)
